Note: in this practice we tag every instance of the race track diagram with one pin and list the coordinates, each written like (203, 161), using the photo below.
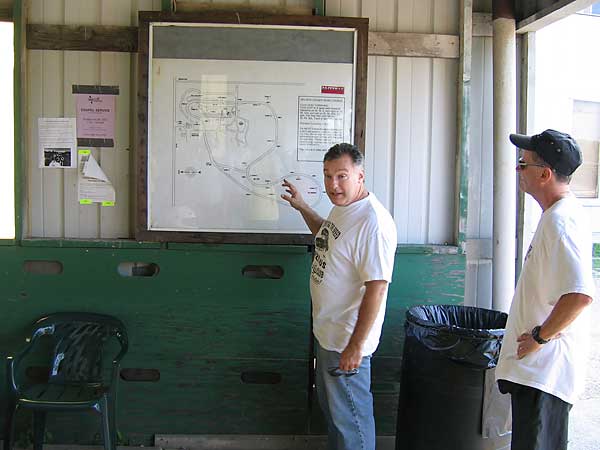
(218, 128)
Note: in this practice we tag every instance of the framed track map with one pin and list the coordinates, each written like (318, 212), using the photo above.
(231, 107)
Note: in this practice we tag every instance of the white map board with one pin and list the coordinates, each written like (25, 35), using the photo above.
(223, 135)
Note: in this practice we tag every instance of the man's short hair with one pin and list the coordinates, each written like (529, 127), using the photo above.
(339, 150)
(559, 177)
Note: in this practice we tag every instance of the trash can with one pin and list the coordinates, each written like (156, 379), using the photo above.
(447, 350)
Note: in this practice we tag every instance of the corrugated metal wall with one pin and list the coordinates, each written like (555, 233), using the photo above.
(478, 277)
(410, 125)
(53, 209)
(411, 119)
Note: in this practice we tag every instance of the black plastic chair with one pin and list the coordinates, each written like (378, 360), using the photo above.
(76, 380)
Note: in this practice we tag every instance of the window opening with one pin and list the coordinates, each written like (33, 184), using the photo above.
(7, 166)
(567, 92)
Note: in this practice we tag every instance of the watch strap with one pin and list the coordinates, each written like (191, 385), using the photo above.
(535, 334)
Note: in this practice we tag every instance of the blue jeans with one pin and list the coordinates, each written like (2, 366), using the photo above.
(346, 402)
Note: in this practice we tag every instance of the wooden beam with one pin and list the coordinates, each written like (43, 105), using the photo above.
(463, 121)
(124, 39)
(73, 37)
(414, 45)
(20, 120)
(558, 10)
(240, 7)
(482, 25)
(526, 113)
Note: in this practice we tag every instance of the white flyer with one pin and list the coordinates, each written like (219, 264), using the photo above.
(57, 137)
(93, 186)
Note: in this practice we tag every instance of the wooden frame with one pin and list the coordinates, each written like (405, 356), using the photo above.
(143, 232)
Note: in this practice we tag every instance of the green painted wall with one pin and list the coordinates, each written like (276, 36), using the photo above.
(201, 324)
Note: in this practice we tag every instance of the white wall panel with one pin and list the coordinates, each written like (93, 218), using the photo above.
(82, 221)
(402, 180)
(53, 207)
(478, 279)
(115, 70)
(344, 8)
(446, 15)
(46, 204)
(422, 16)
(380, 129)
(479, 224)
(442, 167)
(416, 212)
(411, 119)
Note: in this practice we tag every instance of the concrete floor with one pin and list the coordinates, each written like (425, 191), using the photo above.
(584, 426)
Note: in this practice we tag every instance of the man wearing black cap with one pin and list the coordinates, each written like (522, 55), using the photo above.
(543, 357)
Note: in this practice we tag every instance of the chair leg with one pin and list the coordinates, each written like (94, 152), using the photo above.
(9, 425)
(39, 426)
(109, 431)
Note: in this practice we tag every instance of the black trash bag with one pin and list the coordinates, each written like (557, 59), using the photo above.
(467, 335)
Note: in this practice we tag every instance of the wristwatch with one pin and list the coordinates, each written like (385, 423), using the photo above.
(535, 334)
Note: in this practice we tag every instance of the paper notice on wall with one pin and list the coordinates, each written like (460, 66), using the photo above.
(57, 142)
(93, 184)
(96, 120)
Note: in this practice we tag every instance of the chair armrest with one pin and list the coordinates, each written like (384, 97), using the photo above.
(11, 382)
(119, 357)
(12, 365)
(116, 363)
(12, 362)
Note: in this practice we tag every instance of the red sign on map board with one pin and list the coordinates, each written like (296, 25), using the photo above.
(332, 90)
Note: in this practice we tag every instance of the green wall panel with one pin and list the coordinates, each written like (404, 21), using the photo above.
(202, 324)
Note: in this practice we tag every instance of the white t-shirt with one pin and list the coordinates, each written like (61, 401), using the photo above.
(558, 262)
(356, 243)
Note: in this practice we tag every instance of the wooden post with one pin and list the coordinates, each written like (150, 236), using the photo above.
(19, 23)
(463, 117)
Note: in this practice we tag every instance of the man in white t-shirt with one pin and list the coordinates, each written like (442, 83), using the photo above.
(351, 270)
(543, 357)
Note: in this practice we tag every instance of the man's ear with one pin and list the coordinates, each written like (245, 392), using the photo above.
(361, 175)
(546, 174)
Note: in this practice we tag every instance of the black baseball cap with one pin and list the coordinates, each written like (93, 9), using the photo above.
(558, 150)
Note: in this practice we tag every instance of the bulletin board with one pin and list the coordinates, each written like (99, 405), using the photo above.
(232, 105)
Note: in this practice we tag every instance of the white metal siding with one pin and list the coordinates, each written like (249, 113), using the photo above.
(53, 209)
(478, 279)
(411, 119)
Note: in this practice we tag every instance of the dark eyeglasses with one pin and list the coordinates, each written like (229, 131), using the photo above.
(521, 164)
(337, 372)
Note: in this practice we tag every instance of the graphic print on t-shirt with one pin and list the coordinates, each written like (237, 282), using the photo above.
(322, 247)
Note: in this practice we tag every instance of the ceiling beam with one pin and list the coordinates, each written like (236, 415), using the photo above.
(556, 11)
